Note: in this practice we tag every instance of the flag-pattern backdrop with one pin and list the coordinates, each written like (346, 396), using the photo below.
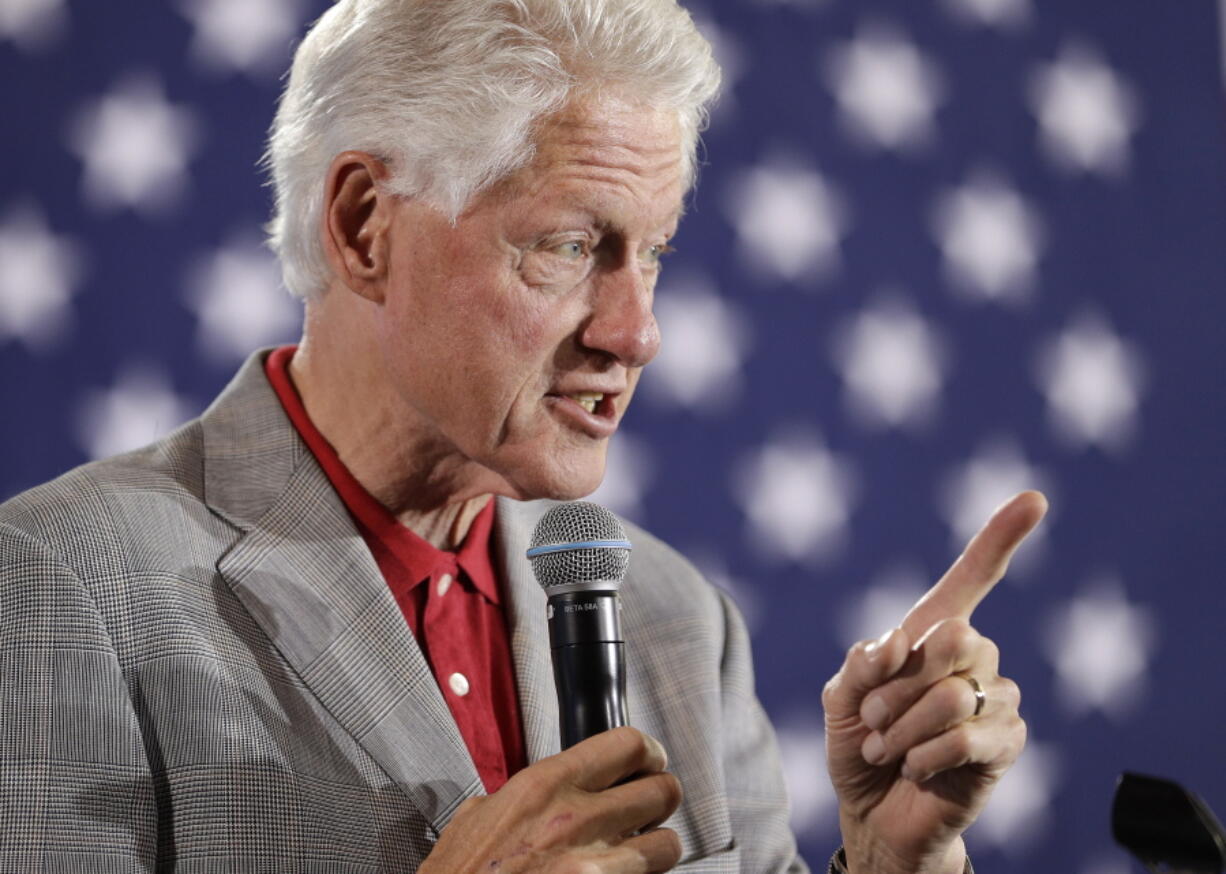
(940, 251)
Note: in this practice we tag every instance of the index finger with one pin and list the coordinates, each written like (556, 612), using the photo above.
(610, 757)
(980, 567)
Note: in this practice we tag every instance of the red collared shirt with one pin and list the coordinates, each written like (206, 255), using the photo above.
(451, 601)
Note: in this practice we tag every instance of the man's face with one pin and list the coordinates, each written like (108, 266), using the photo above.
(516, 336)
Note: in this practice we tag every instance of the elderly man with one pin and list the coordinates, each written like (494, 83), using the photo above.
(299, 633)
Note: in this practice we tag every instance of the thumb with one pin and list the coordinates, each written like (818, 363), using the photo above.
(869, 664)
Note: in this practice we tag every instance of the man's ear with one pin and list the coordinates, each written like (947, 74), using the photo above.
(357, 216)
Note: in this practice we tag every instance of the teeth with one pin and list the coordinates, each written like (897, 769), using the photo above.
(588, 399)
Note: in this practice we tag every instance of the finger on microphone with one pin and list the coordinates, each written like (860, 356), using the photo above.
(654, 851)
(980, 567)
(640, 804)
(610, 757)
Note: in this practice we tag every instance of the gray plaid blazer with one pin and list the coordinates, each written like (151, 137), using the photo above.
(202, 670)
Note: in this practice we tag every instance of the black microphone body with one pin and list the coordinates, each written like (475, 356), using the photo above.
(589, 663)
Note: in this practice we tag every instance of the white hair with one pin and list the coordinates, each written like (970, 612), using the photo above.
(447, 92)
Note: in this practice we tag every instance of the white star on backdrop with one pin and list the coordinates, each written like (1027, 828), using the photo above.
(886, 89)
(242, 35)
(990, 238)
(788, 221)
(1002, 14)
(140, 408)
(237, 296)
(629, 467)
(1019, 812)
(974, 490)
(135, 146)
(1100, 645)
(882, 605)
(796, 496)
(32, 24)
(802, 749)
(892, 363)
(38, 271)
(704, 342)
(1092, 380)
(1086, 113)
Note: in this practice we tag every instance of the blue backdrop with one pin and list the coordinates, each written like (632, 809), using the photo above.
(940, 251)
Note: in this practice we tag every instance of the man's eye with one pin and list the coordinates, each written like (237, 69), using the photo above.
(655, 254)
(572, 250)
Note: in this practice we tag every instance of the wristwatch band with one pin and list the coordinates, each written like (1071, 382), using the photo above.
(838, 864)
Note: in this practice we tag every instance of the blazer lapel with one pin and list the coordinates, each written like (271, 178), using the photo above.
(305, 575)
(538, 702)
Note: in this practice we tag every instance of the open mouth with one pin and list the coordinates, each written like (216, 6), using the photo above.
(594, 403)
(589, 400)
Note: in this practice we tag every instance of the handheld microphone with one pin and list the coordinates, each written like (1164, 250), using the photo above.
(579, 555)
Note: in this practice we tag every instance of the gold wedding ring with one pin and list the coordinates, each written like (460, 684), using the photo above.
(980, 697)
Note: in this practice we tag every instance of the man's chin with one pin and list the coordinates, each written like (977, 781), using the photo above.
(557, 482)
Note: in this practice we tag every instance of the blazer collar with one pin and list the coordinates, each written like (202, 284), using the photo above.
(306, 576)
(250, 448)
(527, 623)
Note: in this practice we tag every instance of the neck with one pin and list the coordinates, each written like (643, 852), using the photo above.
(403, 464)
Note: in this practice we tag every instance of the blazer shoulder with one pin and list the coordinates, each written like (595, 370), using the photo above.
(94, 510)
(660, 574)
(650, 553)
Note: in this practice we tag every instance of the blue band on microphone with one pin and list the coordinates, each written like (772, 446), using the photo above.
(584, 544)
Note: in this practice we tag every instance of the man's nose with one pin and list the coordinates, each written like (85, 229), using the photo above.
(622, 324)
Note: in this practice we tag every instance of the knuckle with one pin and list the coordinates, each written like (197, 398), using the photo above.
(1020, 734)
(830, 692)
(991, 650)
(637, 745)
(941, 641)
(950, 697)
(629, 735)
(640, 744)
(1010, 693)
(858, 652)
(560, 767)
(962, 638)
(670, 790)
(536, 795)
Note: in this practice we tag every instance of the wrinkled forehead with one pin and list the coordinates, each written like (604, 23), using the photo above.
(605, 143)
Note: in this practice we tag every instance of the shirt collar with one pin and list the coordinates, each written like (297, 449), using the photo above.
(421, 559)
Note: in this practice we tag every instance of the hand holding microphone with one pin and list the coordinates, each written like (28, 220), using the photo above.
(596, 806)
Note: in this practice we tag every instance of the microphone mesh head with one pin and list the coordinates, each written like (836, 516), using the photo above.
(579, 522)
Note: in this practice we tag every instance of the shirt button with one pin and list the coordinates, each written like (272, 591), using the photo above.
(444, 583)
(458, 684)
